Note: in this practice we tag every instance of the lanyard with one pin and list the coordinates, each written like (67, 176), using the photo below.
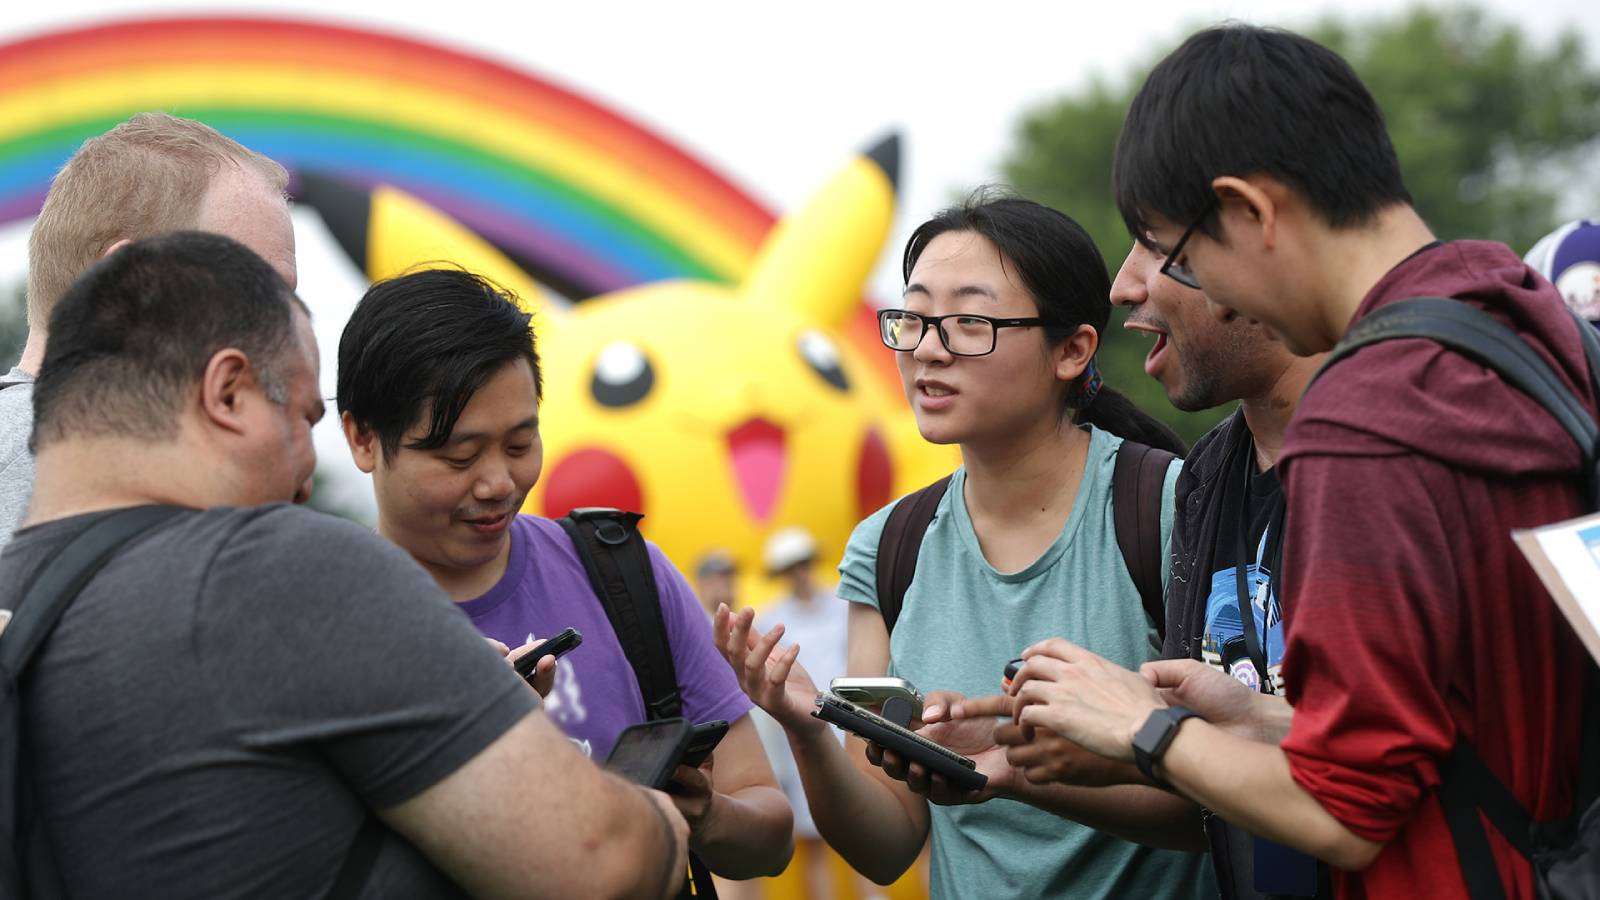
(1271, 539)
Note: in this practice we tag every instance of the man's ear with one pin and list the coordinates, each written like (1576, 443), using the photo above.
(364, 444)
(223, 388)
(1073, 354)
(116, 245)
(1249, 205)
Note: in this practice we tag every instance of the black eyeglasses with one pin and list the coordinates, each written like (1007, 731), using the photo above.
(1177, 271)
(965, 335)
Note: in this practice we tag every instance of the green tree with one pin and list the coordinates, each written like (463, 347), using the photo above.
(13, 324)
(1498, 138)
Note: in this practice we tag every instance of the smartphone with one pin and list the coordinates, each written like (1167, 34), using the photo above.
(648, 753)
(955, 768)
(562, 643)
(704, 739)
(872, 693)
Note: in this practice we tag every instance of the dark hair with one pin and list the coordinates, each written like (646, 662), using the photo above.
(137, 330)
(1242, 100)
(427, 341)
(1062, 269)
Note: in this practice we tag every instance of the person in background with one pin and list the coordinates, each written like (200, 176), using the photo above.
(1570, 258)
(815, 618)
(151, 174)
(716, 581)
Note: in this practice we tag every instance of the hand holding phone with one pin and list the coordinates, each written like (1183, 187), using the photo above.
(952, 766)
(557, 646)
(648, 753)
(873, 692)
(1012, 668)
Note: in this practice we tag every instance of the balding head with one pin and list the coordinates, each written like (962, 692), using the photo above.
(153, 174)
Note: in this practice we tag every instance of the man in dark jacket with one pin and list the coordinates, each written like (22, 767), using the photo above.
(1228, 490)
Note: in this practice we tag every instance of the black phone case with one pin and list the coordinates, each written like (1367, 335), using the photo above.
(662, 776)
(703, 742)
(893, 739)
(561, 643)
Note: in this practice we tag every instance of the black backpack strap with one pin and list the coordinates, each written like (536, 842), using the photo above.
(358, 860)
(900, 544)
(60, 581)
(618, 564)
(1477, 336)
(1136, 499)
(617, 561)
(53, 588)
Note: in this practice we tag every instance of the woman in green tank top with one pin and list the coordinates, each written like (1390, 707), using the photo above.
(1003, 308)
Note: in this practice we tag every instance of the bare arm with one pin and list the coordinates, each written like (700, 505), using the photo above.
(877, 825)
(1248, 783)
(740, 822)
(510, 822)
(1246, 780)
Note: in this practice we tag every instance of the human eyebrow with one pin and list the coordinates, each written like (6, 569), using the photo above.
(978, 290)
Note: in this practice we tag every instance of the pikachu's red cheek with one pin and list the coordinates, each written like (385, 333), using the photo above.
(591, 477)
(874, 475)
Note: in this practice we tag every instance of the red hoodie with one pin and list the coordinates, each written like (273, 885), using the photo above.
(1412, 620)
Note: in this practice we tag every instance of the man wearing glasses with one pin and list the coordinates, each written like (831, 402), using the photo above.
(1415, 633)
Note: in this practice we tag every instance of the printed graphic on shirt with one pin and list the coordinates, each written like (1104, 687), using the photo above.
(1223, 645)
(565, 703)
(1591, 539)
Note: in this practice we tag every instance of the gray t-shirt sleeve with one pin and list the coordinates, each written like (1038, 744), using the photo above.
(16, 463)
(349, 650)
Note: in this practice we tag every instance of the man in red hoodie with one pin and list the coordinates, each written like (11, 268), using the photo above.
(1257, 164)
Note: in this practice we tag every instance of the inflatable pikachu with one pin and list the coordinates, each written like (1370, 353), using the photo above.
(723, 413)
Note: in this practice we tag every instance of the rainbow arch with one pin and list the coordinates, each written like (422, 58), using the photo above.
(586, 200)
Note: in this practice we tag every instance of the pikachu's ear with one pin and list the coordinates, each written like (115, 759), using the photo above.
(386, 232)
(817, 258)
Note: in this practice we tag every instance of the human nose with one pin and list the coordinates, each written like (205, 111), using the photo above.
(931, 350)
(494, 481)
(1128, 289)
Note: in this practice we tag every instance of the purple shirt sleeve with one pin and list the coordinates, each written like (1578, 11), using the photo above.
(710, 690)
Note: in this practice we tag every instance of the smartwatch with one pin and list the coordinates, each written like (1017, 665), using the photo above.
(1153, 738)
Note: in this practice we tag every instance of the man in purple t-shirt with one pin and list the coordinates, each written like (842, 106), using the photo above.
(438, 392)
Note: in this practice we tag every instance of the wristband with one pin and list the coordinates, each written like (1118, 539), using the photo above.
(1150, 742)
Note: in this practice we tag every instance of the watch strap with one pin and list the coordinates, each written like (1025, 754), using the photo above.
(1153, 738)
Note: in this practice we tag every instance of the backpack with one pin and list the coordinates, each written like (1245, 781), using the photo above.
(1136, 499)
(617, 562)
(1565, 855)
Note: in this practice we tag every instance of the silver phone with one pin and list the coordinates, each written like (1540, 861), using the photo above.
(873, 692)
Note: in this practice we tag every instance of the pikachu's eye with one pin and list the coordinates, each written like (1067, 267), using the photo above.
(622, 375)
(823, 357)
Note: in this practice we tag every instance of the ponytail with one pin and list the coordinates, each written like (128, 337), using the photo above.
(1110, 410)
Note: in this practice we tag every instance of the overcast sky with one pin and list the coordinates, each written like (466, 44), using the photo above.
(776, 96)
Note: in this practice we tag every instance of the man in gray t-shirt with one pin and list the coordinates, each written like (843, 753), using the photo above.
(222, 706)
(16, 463)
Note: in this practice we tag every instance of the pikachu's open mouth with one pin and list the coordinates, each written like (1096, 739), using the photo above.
(759, 460)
